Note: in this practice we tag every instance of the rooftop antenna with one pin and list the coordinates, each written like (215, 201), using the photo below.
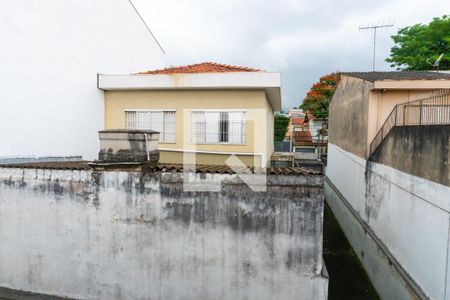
(436, 63)
(375, 28)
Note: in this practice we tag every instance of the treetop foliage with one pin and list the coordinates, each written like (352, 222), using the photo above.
(417, 47)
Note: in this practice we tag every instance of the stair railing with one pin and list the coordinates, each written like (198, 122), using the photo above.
(433, 109)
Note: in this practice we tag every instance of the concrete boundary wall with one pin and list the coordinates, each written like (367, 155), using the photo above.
(371, 251)
(428, 149)
(132, 235)
(397, 223)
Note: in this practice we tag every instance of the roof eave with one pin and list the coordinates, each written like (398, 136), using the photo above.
(268, 81)
(411, 84)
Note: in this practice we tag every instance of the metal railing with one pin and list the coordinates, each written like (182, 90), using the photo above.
(432, 109)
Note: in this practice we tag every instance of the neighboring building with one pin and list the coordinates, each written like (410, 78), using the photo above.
(303, 145)
(209, 110)
(317, 127)
(388, 178)
(296, 113)
(309, 139)
(51, 53)
(281, 113)
(294, 122)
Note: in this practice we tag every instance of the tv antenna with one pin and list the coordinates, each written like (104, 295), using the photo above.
(436, 63)
(374, 28)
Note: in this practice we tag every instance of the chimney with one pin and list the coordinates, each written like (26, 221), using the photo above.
(124, 145)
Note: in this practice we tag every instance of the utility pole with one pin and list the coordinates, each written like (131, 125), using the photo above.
(374, 28)
(291, 140)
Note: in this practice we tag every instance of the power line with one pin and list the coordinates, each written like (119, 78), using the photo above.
(374, 28)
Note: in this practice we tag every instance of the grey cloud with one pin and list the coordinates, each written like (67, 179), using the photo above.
(304, 39)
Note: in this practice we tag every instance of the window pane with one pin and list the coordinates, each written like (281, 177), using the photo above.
(162, 121)
(143, 121)
(157, 121)
(169, 127)
(223, 134)
(130, 120)
(218, 127)
(198, 127)
(212, 127)
(237, 127)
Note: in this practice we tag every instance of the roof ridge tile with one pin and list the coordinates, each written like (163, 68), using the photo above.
(204, 67)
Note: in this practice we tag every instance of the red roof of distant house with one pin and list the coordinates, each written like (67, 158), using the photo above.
(297, 121)
(302, 136)
(206, 67)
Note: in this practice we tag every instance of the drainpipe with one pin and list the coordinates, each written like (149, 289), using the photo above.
(146, 146)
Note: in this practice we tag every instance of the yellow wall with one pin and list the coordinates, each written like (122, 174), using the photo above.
(358, 110)
(381, 104)
(208, 159)
(259, 114)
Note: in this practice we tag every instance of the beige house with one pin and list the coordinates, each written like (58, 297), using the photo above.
(387, 178)
(206, 113)
(364, 100)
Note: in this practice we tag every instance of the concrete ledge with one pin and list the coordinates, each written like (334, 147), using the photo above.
(11, 294)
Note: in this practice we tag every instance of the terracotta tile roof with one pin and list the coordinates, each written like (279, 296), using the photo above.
(398, 75)
(227, 170)
(50, 165)
(163, 167)
(295, 121)
(302, 136)
(206, 67)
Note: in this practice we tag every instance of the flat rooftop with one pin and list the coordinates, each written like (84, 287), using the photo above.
(399, 75)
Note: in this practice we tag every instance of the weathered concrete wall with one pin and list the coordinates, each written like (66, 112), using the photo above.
(124, 235)
(349, 112)
(397, 223)
(427, 148)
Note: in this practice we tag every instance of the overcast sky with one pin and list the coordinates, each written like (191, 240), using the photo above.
(304, 39)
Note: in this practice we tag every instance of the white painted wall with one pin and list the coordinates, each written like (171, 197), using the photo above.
(303, 155)
(50, 54)
(410, 215)
(315, 126)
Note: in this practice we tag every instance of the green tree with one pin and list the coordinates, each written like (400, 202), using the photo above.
(318, 98)
(280, 127)
(417, 47)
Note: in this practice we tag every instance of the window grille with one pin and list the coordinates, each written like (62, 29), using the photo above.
(214, 127)
(162, 121)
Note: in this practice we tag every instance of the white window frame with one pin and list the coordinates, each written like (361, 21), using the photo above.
(168, 137)
(243, 130)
